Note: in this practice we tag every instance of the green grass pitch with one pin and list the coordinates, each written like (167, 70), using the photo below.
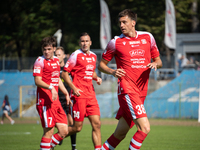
(27, 136)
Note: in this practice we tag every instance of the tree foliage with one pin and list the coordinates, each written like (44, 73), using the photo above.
(24, 23)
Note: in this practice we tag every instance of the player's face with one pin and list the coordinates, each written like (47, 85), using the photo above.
(48, 51)
(60, 54)
(126, 25)
(85, 43)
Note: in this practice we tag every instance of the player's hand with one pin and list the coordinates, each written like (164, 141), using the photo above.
(77, 92)
(152, 65)
(69, 102)
(118, 73)
(54, 94)
(99, 80)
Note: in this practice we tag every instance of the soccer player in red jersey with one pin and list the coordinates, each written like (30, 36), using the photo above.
(81, 65)
(46, 72)
(133, 51)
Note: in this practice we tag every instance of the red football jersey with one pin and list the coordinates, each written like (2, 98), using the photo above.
(133, 54)
(82, 66)
(49, 70)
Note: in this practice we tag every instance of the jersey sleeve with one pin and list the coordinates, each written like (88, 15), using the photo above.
(70, 63)
(38, 67)
(109, 52)
(154, 49)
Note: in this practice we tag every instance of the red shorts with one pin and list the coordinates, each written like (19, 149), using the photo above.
(131, 107)
(51, 114)
(84, 107)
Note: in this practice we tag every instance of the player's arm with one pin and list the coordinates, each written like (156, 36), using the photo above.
(105, 69)
(64, 91)
(10, 109)
(157, 63)
(67, 79)
(42, 84)
(96, 78)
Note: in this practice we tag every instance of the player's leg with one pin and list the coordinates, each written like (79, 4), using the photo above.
(96, 130)
(9, 118)
(73, 136)
(119, 134)
(143, 129)
(46, 138)
(61, 124)
(2, 119)
(140, 119)
(77, 127)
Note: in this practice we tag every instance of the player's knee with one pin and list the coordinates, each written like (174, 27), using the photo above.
(146, 129)
(64, 133)
(97, 125)
(120, 135)
(78, 128)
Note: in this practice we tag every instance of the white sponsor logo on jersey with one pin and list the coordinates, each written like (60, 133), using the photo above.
(134, 42)
(36, 70)
(138, 61)
(89, 67)
(54, 79)
(89, 60)
(139, 52)
(138, 66)
(55, 73)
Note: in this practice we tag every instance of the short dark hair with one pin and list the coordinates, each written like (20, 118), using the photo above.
(84, 34)
(60, 47)
(128, 12)
(48, 41)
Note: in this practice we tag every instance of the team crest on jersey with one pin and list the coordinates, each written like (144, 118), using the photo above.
(93, 59)
(124, 43)
(48, 64)
(144, 41)
(138, 52)
(83, 58)
(89, 67)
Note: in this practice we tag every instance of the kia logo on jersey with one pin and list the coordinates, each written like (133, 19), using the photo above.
(138, 52)
(89, 67)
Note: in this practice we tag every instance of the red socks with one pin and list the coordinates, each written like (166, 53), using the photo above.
(45, 143)
(55, 140)
(111, 143)
(136, 141)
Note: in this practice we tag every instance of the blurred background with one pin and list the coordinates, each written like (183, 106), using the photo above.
(173, 89)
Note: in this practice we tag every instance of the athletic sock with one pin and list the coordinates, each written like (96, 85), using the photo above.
(97, 147)
(111, 143)
(73, 141)
(136, 141)
(45, 143)
(55, 140)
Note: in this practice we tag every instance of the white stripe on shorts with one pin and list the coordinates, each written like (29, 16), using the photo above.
(44, 109)
(130, 106)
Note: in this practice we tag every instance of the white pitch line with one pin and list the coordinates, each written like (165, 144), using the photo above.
(14, 133)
